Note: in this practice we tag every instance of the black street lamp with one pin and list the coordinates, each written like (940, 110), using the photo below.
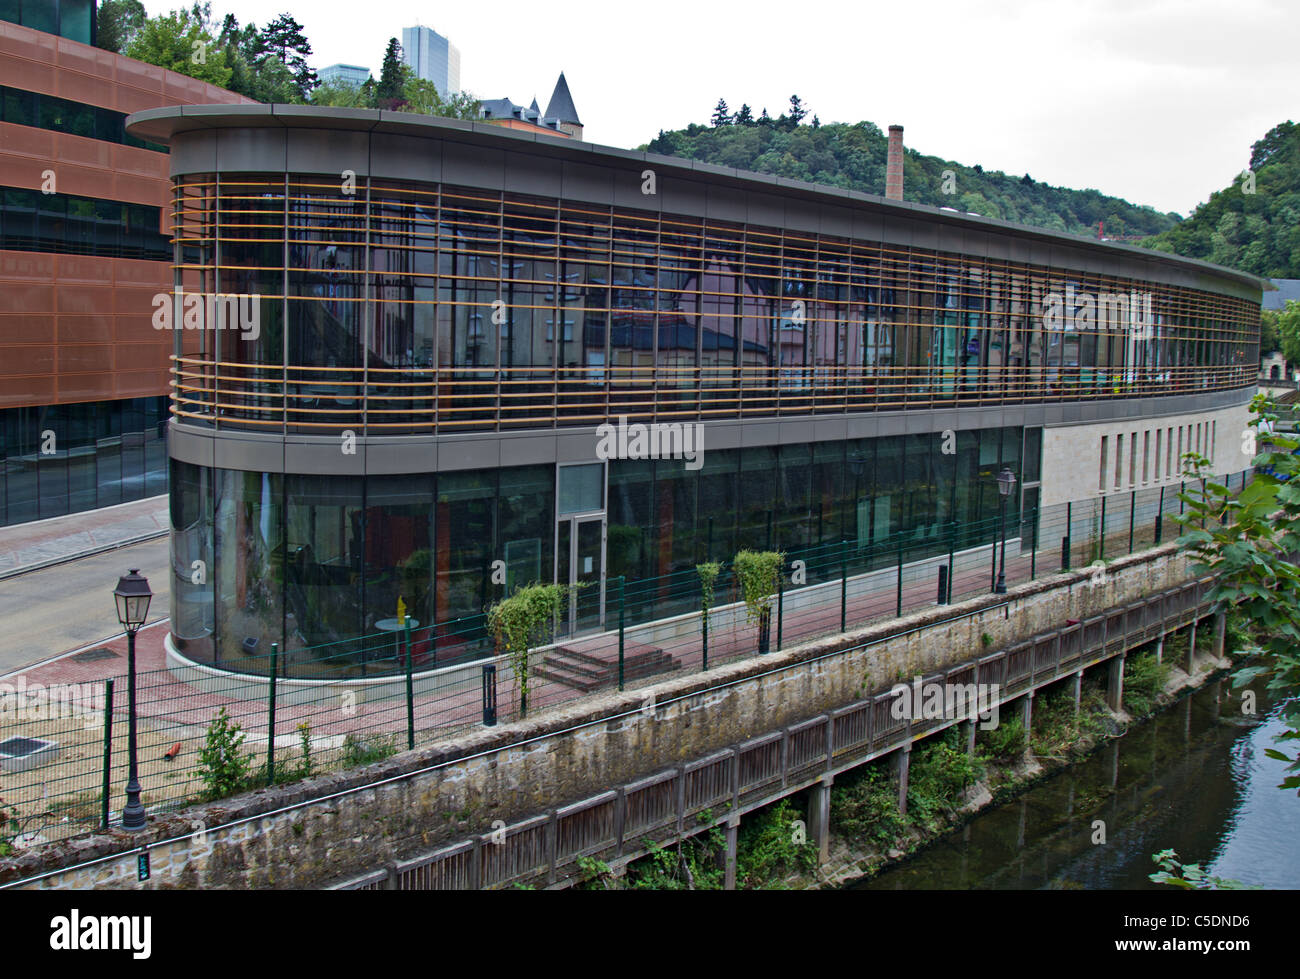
(133, 596)
(1006, 483)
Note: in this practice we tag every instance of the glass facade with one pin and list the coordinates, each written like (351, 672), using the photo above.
(73, 19)
(855, 502)
(312, 561)
(66, 224)
(316, 561)
(399, 307)
(418, 308)
(60, 459)
(23, 108)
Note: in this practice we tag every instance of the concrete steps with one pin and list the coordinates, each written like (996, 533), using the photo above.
(587, 670)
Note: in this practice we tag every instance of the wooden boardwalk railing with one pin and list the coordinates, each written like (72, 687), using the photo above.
(618, 825)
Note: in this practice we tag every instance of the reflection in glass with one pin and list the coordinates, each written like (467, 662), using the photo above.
(249, 578)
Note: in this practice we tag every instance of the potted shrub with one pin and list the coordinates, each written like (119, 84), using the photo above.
(758, 574)
(521, 621)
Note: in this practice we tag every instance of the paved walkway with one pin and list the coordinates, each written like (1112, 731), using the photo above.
(170, 703)
(174, 715)
(28, 546)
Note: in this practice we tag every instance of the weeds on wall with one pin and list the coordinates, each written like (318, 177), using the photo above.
(224, 767)
(1144, 681)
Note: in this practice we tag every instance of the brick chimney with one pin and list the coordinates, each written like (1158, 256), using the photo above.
(894, 166)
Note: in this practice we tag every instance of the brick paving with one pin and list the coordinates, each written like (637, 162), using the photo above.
(167, 701)
(32, 545)
(173, 713)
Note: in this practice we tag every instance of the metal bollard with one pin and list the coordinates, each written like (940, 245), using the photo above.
(489, 694)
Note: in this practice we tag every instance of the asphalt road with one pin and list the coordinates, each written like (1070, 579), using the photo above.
(54, 610)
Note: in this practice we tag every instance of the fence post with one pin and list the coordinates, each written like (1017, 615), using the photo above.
(622, 605)
(952, 550)
(1132, 515)
(270, 720)
(899, 608)
(489, 694)
(1101, 546)
(410, 692)
(993, 571)
(1065, 541)
(704, 647)
(108, 749)
(1160, 516)
(433, 639)
(844, 585)
(780, 608)
(1033, 545)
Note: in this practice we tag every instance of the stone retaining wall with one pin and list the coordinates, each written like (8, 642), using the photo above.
(278, 837)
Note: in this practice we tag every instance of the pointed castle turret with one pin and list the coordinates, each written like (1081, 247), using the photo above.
(560, 118)
(561, 107)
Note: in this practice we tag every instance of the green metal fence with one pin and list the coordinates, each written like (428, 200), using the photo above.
(410, 688)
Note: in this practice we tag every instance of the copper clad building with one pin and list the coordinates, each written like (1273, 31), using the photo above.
(84, 247)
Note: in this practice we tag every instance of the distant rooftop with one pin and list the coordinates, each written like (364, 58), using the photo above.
(561, 105)
(561, 117)
(1286, 289)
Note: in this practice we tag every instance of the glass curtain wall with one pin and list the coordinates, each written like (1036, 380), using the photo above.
(400, 305)
(61, 459)
(320, 562)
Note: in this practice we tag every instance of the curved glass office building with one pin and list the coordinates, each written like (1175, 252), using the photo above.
(426, 346)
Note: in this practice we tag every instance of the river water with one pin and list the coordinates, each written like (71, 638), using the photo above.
(1194, 779)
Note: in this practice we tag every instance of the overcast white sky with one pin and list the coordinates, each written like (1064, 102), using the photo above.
(1156, 101)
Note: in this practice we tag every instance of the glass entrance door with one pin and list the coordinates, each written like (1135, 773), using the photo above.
(580, 564)
(580, 547)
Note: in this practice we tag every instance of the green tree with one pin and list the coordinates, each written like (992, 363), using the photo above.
(421, 95)
(255, 72)
(1286, 323)
(117, 23)
(1253, 223)
(344, 95)
(1247, 541)
(745, 117)
(721, 117)
(1269, 337)
(182, 41)
(284, 38)
(759, 576)
(392, 78)
(1278, 138)
(797, 111)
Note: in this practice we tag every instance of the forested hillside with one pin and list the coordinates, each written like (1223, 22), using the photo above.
(853, 156)
(1253, 224)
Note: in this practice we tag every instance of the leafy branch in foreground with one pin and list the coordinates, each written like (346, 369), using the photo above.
(1190, 876)
(1248, 542)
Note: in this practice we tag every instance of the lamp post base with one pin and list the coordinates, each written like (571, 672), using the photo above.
(133, 815)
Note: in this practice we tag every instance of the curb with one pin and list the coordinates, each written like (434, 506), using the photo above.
(77, 556)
